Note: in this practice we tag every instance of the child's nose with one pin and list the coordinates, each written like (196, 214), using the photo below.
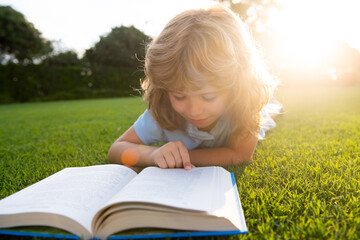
(194, 108)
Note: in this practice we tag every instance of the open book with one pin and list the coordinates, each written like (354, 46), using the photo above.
(98, 201)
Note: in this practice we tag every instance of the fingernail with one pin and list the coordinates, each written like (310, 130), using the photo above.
(187, 167)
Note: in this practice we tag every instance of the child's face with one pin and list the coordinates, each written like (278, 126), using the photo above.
(202, 108)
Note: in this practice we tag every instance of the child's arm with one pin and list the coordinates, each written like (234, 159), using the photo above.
(129, 150)
(237, 151)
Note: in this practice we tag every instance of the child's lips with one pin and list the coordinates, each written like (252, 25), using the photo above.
(198, 121)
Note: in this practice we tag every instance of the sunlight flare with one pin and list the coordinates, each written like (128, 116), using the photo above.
(309, 29)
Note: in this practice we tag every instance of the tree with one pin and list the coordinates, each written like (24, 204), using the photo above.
(122, 47)
(68, 58)
(19, 39)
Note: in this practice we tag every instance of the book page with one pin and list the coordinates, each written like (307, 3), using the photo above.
(179, 188)
(227, 204)
(73, 192)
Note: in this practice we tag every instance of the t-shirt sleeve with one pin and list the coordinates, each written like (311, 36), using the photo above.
(266, 124)
(147, 129)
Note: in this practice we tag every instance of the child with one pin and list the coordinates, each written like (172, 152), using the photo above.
(205, 88)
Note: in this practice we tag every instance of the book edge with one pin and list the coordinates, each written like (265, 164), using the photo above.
(179, 235)
(241, 212)
(141, 236)
(36, 234)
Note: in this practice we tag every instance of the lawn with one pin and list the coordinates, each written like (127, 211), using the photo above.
(303, 181)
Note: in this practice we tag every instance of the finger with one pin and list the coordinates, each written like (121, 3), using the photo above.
(184, 153)
(169, 158)
(177, 158)
(161, 162)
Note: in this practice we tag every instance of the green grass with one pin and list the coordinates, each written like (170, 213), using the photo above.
(39, 139)
(303, 181)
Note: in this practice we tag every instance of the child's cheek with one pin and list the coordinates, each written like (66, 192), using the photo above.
(177, 106)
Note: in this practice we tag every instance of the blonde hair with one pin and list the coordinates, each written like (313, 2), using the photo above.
(212, 46)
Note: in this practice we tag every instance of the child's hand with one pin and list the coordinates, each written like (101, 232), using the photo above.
(172, 155)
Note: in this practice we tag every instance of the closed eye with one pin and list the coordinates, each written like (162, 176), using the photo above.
(209, 98)
(179, 98)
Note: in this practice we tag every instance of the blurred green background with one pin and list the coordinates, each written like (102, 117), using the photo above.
(304, 44)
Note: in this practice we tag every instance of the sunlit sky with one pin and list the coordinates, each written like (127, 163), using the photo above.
(78, 24)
